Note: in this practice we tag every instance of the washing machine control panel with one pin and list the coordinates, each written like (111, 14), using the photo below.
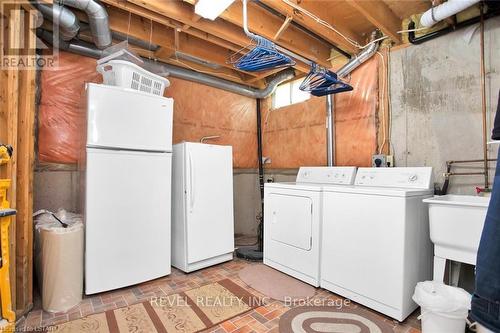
(418, 177)
(327, 175)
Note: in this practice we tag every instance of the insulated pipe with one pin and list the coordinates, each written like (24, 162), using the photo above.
(445, 10)
(98, 20)
(182, 73)
(65, 19)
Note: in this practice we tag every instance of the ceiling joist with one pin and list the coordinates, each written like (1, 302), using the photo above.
(380, 15)
(315, 27)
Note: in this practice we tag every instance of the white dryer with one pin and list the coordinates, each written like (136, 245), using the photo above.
(292, 215)
(375, 239)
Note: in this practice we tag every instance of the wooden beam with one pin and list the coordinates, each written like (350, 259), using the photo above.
(283, 27)
(25, 167)
(169, 22)
(380, 15)
(312, 25)
(165, 37)
(143, 12)
(265, 24)
(9, 83)
(181, 12)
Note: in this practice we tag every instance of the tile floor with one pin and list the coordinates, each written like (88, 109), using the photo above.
(262, 319)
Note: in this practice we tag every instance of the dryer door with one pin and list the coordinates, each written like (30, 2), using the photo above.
(291, 232)
(291, 220)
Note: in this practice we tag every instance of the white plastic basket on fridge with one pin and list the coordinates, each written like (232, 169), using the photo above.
(128, 75)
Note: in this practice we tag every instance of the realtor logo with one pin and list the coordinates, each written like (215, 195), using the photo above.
(21, 47)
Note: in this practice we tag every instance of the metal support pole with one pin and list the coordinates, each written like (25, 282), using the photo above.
(330, 130)
(483, 105)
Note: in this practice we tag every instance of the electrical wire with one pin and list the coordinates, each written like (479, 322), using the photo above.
(389, 106)
(329, 26)
(411, 30)
(384, 79)
(324, 23)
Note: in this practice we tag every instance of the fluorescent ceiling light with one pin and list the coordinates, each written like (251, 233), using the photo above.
(211, 9)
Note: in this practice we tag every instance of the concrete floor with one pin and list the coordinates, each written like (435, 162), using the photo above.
(261, 319)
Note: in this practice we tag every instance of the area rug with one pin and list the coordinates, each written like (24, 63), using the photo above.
(192, 311)
(275, 284)
(329, 319)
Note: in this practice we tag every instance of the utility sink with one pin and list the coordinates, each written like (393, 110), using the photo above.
(456, 224)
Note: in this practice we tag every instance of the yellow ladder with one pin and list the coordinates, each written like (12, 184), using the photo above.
(5, 295)
(8, 315)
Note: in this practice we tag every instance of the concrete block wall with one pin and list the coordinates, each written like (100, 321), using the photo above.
(60, 189)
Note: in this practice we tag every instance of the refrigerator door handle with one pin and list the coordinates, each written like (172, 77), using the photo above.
(191, 183)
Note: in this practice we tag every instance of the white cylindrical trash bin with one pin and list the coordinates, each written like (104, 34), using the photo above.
(59, 242)
(444, 309)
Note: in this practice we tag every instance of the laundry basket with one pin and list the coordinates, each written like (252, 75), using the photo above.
(125, 74)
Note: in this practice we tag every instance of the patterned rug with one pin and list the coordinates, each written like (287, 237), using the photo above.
(275, 284)
(328, 319)
(192, 311)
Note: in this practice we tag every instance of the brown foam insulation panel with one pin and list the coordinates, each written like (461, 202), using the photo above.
(198, 111)
(201, 111)
(355, 117)
(295, 135)
(61, 116)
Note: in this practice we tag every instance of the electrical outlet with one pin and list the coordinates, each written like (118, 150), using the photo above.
(390, 160)
(379, 161)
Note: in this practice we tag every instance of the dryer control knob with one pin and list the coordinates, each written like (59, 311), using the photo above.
(413, 178)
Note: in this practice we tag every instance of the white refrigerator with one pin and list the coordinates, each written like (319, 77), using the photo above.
(202, 205)
(126, 187)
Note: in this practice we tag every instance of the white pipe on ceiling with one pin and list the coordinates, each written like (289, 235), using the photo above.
(445, 10)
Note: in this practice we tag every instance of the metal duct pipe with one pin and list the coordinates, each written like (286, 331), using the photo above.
(330, 131)
(360, 58)
(98, 20)
(182, 73)
(354, 63)
(216, 82)
(65, 19)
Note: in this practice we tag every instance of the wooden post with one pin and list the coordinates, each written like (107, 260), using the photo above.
(25, 166)
(17, 114)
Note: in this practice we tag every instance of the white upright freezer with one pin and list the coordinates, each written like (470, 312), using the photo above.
(126, 187)
(202, 205)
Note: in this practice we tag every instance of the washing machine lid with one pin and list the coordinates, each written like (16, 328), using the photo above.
(385, 191)
(391, 182)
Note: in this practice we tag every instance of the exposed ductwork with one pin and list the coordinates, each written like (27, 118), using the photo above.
(98, 20)
(445, 10)
(216, 82)
(68, 23)
(179, 72)
(354, 63)
(360, 58)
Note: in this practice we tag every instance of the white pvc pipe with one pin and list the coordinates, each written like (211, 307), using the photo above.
(445, 10)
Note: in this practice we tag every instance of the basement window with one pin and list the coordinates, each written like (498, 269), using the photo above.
(288, 94)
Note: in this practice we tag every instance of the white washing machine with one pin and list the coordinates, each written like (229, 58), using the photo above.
(375, 238)
(292, 215)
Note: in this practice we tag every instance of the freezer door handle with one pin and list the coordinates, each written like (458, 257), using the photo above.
(191, 183)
